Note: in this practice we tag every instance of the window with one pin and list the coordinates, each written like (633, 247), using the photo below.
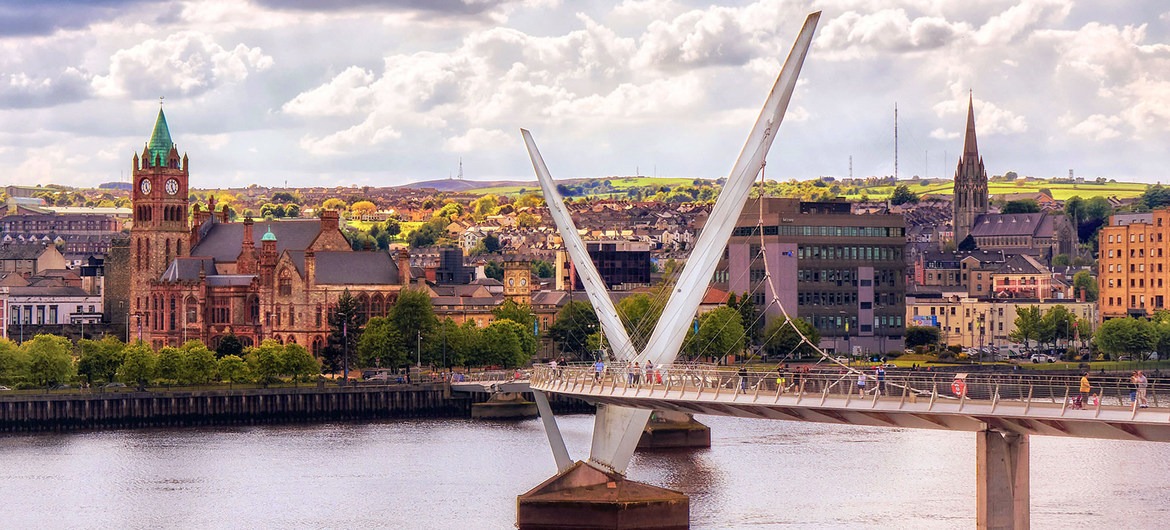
(285, 285)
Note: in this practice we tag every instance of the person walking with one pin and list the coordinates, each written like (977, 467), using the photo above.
(598, 368)
(649, 372)
(1086, 387)
(860, 383)
(881, 380)
(1142, 382)
(743, 379)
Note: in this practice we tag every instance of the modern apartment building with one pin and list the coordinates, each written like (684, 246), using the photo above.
(841, 272)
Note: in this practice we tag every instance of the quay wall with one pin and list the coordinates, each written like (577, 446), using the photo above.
(175, 408)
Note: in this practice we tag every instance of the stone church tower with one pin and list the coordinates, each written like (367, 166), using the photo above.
(160, 232)
(970, 199)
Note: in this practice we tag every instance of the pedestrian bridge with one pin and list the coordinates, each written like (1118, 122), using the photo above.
(1009, 403)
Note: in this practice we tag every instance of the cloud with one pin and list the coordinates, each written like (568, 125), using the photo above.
(347, 93)
(853, 35)
(476, 139)
(187, 63)
(26, 18)
(20, 90)
(434, 7)
(1096, 127)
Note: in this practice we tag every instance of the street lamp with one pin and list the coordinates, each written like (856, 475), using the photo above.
(418, 359)
(982, 332)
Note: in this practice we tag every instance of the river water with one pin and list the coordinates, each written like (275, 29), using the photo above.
(422, 474)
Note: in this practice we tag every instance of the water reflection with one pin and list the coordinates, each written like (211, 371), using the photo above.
(462, 473)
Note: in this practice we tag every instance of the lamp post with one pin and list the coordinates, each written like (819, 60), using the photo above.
(982, 333)
(344, 347)
(418, 358)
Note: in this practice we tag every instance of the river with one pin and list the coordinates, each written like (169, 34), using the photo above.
(422, 474)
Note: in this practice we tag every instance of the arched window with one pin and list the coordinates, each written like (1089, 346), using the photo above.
(172, 313)
(254, 310)
(320, 315)
(285, 282)
(292, 315)
(378, 304)
(363, 301)
(138, 256)
(178, 248)
(318, 345)
(192, 312)
(168, 251)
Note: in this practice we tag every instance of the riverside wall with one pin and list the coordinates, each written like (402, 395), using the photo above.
(21, 412)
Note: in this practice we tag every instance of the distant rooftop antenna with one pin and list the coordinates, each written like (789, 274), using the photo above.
(460, 168)
(895, 141)
(850, 167)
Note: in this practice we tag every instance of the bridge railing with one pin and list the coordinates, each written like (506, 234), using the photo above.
(1104, 389)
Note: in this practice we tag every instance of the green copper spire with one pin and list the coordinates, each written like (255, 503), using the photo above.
(160, 140)
(268, 236)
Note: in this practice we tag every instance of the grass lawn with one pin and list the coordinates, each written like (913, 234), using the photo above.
(1060, 191)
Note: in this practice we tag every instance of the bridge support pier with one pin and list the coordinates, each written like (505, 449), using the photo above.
(588, 497)
(1002, 469)
(674, 430)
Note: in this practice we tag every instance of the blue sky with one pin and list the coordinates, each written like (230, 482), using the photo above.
(389, 92)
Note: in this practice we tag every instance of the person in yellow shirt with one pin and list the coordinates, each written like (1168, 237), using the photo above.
(1085, 388)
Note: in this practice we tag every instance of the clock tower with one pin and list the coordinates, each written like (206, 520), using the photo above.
(517, 282)
(160, 232)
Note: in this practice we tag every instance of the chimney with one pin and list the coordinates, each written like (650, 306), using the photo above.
(248, 241)
(1081, 295)
(211, 204)
(246, 263)
(329, 220)
(310, 268)
(404, 267)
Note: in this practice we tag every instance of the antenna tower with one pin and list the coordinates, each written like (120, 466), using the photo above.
(895, 142)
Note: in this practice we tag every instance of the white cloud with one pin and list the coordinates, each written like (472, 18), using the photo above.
(186, 63)
(347, 93)
(1097, 127)
(476, 139)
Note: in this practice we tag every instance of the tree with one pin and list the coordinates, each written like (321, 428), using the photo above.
(506, 343)
(197, 363)
(361, 208)
(575, 322)
(1021, 206)
(1131, 336)
(520, 314)
(264, 361)
(748, 317)
(903, 195)
(49, 359)
(169, 364)
(639, 314)
(428, 234)
(345, 327)
(527, 220)
(229, 345)
(380, 345)
(968, 244)
(781, 339)
(1083, 281)
(485, 205)
(720, 334)
(334, 204)
(392, 227)
(298, 363)
(543, 269)
(1027, 325)
(139, 365)
(99, 360)
(921, 336)
(491, 243)
(1155, 196)
(455, 344)
(493, 269)
(13, 361)
(232, 368)
(1057, 323)
(413, 318)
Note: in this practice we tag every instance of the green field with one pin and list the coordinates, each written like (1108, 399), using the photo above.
(619, 184)
(1060, 191)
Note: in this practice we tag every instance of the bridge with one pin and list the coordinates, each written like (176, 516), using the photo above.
(1002, 409)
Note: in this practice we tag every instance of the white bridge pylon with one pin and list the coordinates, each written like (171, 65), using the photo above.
(617, 429)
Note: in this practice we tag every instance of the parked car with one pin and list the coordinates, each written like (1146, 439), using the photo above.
(3, 388)
(115, 385)
(1038, 358)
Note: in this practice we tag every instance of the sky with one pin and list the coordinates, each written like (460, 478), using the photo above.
(388, 92)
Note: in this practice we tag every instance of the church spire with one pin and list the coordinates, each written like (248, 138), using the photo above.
(160, 140)
(970, 147)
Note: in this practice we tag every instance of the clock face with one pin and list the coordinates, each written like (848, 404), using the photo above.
(523, 282)
(172, 186)
(511, 282)
(144, 186)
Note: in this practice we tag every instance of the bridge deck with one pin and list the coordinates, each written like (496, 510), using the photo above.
(1026, 404)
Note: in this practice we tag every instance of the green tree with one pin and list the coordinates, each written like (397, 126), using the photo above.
(1021, 206)
(921, 336)
(49, 359)
(490, 243)
(720, 334)
(99, 360)
(1027, 325)
(232, 368)
(506, 343)
(521, 314)
(781, 339)
(414, 319)
(543, 269)
(197, 365)
(298, 363)
(229, 345)
(1155, 196)
(968, 244)
(1057, 324)
(264, 361)
(493, 269)
(170, 364)
(1084, 281)
(13, 361)
(140, 364)
(1130, 336)
(639, 314)
(429, 233)
(345, 328)
(380, 345)
(392, 227)
(575, 322)
(903, 195)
